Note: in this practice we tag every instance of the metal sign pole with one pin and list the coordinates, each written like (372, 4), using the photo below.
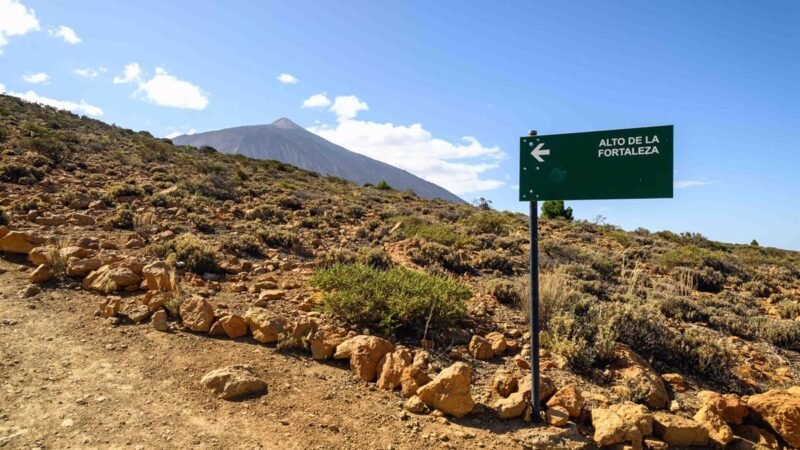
(534, 306)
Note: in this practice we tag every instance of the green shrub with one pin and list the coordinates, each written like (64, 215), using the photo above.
(789, 310)
(193, 254)
(709, 280)
(383, 186)
(493, 260)
(51, 148)
(432, 254)
(432, 232)
(123, 218)
(376, 258)
(201, 223)
(20, 174)
(554, 209)
(123, 190)
(278, 237)
(265, 213)
(487, 222)
(290, 202)
(242, 245)
(335, 256)
(506, 292)
(393, 301)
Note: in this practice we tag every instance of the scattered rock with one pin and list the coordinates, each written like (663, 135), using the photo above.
(730, 407)
(156, 276)
(42, 274)
(546, 387)
(781, 410)
(19, 242)
(391, 367)
(620, 423)
(159, 320)
(197, 314)
(557, 416)
(759, 437)
(504, 383)
(109, 279)
(568, 398)
(415, 405)
(233, 325)
(718, 431)
(29, 291)
(109, 306)
(234, 382)
(82, 267)
(511, 406)
(364, 352)
(480, 348)
(679, 431)
(498, 342)
(449, 391)
(630, 368)
(323, 343)
(412, 379)
(675, 380)
(264, 325)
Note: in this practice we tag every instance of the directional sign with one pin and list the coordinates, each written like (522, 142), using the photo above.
(612, 164)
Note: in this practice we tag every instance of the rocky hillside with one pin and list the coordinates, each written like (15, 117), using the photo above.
(161, 260)
(287, 142)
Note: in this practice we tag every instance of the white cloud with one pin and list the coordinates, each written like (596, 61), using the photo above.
(347, 107)
(287, 78)
(320, 100)
(683, 184)
(457, 166)
(15, 20)
(36, 78)
(76, 107)
(176, 132)
(164, 89)
(66, 33)
(130, 73)
(90, 72)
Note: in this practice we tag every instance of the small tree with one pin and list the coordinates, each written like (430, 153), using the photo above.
(554, 209)
(754, 243)
(483, 203)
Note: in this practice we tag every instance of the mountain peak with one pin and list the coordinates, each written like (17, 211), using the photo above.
(284, 122)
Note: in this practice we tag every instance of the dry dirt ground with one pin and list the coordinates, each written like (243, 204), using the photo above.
(69, 379)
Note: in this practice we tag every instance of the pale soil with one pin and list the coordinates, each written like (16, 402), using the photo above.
(69, 379)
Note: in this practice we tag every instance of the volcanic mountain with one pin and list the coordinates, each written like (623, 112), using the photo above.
(285, 141)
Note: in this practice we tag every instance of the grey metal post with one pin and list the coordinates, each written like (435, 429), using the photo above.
(534, 305)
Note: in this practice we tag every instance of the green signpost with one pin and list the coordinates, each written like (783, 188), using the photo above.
(613, 164)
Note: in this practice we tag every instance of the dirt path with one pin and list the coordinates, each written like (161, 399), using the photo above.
(69, 379)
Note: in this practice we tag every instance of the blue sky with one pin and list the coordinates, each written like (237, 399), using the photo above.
(445, 89)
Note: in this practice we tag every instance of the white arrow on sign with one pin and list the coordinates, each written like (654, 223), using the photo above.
(538, 152)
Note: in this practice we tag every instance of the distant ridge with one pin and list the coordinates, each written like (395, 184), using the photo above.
(285, 141)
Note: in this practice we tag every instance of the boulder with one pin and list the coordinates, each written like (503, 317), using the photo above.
(391, 367)
(504, 383)
(546, 387)
(80, 220)
(159, 320)
(781, 410)
(41, 254)
(323, 343)
(675, 380)
(620, 423)
(365, 352)
(679, 431)
(568, 398)
(234, 382)
(233, 325)
(137, 313)
(157, 276)
(42, 274)
(19, 242)
(268, 295)
(730, 407)
(718, 431)
(109, 306)
(630, 368)
(759, 437)
(197, 314)
(412, 379)
(557, 416)
(449, 391)
(480, 348)
(264, 325)
(82, 267)
(109, 279)
(415, 405)
(512, 406)
(498, 342)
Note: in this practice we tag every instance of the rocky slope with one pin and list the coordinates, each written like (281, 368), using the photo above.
(161, 296)
(285, 141)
